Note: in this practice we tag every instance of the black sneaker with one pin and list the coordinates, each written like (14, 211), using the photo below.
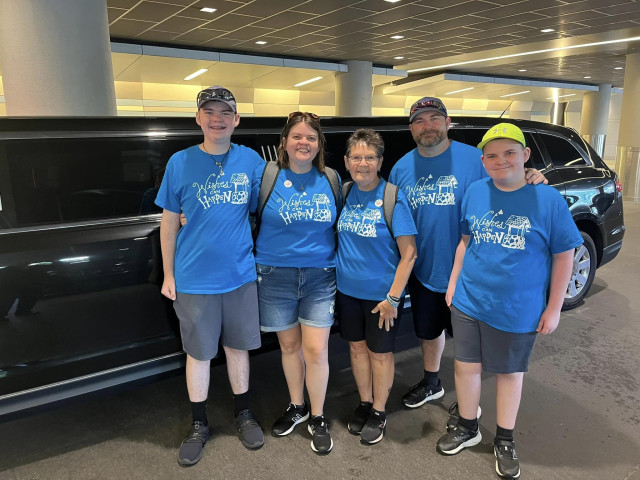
(422, 393)
(457, 439)
(319, 429)
(374, 429)
(249, 431)
(192, 446)
(289, 419)
(507, 464)
(454, 415)
(359, 418)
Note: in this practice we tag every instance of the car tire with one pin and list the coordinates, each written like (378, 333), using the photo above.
(584, 271)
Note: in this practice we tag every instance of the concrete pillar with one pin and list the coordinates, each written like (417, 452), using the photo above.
(628, 153)
(56, 58)
(595, 115)
(354, 90)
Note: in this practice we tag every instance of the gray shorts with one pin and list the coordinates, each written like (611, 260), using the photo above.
(498, 351)
(206, 319)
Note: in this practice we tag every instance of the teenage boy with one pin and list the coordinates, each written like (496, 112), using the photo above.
(209, 269)
(517, 245)
(435, 176)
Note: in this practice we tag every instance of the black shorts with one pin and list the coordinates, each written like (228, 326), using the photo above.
(431, 315)
(357, 323)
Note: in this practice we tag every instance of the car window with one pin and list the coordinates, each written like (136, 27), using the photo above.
(562, 152)
(66, 180)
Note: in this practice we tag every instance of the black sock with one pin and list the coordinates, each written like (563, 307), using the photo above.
(504, 433)
(299, 406)
(240, 402)
(469, 424)
(431, 378)
(380, 413)
(199, 412)
(366, 404)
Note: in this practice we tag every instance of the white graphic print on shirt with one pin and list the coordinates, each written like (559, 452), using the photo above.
(214, 191)
(300, 207)
(426, 191)
(490, 229)
(360, 222)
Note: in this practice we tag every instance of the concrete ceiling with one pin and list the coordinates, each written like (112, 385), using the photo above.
(439, 36)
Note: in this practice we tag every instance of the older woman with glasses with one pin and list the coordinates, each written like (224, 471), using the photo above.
(374, 262)
(295, 260)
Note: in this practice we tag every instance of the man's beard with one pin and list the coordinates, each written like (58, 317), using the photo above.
(431, 141)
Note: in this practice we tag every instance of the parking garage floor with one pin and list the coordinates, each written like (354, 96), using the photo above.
(579, 418)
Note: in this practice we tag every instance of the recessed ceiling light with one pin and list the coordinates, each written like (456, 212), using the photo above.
(392, 1)
(397, 37)
(208, 9)
(512, 94)
(195, 74)
(398, 58)
(524, 54)
(261, 42)
(522, 70)
(587, 76)
(618, 68)
(461, 90)
(547, 30)
(314, 79)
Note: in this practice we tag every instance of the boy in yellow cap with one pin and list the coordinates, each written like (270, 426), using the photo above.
(517, 244)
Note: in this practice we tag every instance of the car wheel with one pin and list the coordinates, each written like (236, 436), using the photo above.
(583, 273)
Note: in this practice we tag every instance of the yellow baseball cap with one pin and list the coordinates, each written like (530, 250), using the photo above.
(503, 130)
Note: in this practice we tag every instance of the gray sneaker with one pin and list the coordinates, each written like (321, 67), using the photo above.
(249, 431)
(507, 463)
(192, 446)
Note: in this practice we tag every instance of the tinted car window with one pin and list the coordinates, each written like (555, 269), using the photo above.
(562, 152)
(67, 180)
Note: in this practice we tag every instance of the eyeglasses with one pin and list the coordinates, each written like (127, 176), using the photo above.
(370, 159)
(215, 94)
(428, 104)
(302, 114)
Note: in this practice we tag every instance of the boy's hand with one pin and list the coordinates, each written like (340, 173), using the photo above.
(535, 176)
(169, 287)
(183, 220)
(549, 321)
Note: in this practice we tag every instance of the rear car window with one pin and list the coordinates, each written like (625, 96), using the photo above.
(562, 152)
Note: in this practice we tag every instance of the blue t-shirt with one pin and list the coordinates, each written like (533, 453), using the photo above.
(434, 187)
(214, 250)
(367, 254)
(296, 228)
(507, 265)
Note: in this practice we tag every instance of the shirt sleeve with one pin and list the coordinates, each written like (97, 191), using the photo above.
(402, 221)
(564, 232)
(255, 183)
(168, 197)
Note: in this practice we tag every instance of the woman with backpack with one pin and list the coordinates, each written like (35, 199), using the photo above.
(376, 253)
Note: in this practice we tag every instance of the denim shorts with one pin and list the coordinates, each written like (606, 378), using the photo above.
(498, 351)
(288, 296)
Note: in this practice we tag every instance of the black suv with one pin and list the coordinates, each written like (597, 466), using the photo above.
(80, 262)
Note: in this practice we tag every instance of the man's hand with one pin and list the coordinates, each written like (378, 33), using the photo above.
(535, 176)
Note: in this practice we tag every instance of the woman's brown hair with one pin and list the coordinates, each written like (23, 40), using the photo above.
(313, 121)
